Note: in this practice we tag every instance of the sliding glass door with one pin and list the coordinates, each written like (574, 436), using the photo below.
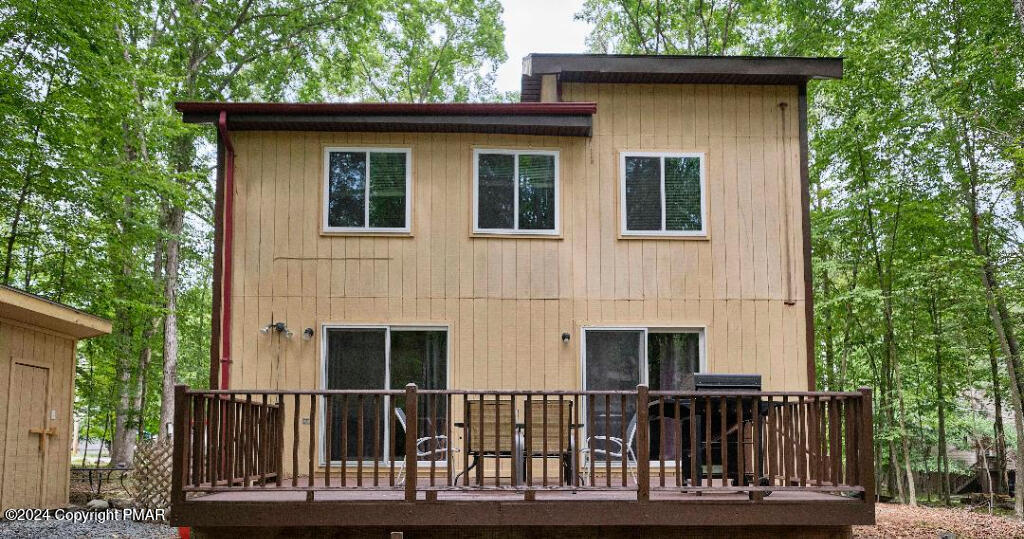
(380, 357)
(620, 358)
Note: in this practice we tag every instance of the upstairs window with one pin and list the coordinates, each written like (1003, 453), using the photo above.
(663, 194)
(515, 192)
(366, 189)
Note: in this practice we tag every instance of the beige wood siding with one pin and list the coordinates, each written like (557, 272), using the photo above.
(508, 300)
(39, 348)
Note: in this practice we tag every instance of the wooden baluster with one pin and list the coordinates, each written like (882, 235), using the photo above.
(449, 440)
(575, 458)
(822, 441)
(741, 459)
(787, 440)
(312, 439)
(432, 421)
(661, 441)
(376, 440)
(771, 470)
(643, 446)
(695, 480)
(482, 445)
(215, 457)
(466, 433)
(264, 440)
(561, 439)
(194, 472)
(497, 440)
(391, 440)
(360, 442)
(591, 432)
(708, 459)
(850, 471)
(344, 440)
(833, 425)
(544, 439)
(229, 441)
(246, 441)
(679, 443)
(328, 434)
(607, 433)
(814, 427)
(757, 449)
(280, 439)
(296, 421)
(528, 436)
(514, 464)
(411, 434)
(723, 418)
(801, 419)
(625, 440)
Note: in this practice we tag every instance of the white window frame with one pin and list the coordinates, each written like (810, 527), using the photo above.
(386, 401)
(366, 203)
(642, 364)
(515, 186)
(662, 155)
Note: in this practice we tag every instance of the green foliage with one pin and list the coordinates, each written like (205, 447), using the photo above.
(96, 167)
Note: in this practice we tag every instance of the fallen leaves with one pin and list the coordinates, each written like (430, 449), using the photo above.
(903, 521)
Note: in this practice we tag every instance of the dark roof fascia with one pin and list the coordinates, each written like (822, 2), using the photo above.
(624, 68)
(594, 66)
(559, 119)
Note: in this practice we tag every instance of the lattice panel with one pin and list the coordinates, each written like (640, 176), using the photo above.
(152, 474)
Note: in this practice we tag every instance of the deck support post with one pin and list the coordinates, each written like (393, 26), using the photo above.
(643, 460)
(179, 466)
(866, 474)
(411, 423)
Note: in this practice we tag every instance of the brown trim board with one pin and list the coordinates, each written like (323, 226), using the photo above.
(805, 203)
(218, 254)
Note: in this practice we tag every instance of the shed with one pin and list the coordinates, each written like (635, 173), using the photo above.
(37, 373)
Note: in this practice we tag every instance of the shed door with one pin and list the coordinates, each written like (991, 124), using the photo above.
(23, 469)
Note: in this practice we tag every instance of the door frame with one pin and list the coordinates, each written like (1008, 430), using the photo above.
(386, 400)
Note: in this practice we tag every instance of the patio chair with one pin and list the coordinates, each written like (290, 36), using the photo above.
(612, 448)
(439, 451)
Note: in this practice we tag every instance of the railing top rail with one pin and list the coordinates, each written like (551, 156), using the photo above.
(530, 392)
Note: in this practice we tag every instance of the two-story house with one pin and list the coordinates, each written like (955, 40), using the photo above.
(549, 275)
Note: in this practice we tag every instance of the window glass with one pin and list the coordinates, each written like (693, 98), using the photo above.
(682, 193)
(367, 189)
(346, 189)
(643, 193)
(355, 360)
(496, 191)
(420, 357)
(536, 192)
(387, 190)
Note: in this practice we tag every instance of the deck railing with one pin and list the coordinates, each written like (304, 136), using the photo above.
(428, 441)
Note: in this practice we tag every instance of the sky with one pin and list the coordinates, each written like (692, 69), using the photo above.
(538, 26)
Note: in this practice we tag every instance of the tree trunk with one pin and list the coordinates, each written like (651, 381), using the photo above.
(911, 490)
(171, 264)
(1003, 327)
(998, 435)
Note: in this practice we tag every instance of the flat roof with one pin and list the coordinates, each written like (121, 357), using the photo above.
(35, 310)
(639, 68)
(560, 119)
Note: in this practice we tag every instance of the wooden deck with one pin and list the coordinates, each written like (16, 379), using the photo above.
(235, 467)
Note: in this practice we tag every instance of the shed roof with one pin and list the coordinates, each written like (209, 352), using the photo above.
(31, 309)
(640, 68)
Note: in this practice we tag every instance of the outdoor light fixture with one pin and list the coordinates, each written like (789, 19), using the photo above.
(565, 337)
(278, 327)
(307, 334)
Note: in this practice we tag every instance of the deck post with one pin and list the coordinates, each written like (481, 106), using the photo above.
(643, 460)
(178, 465)
(411, 424)
(867, 465)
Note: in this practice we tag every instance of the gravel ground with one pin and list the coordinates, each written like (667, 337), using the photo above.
(928, 522)
(68, 529)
